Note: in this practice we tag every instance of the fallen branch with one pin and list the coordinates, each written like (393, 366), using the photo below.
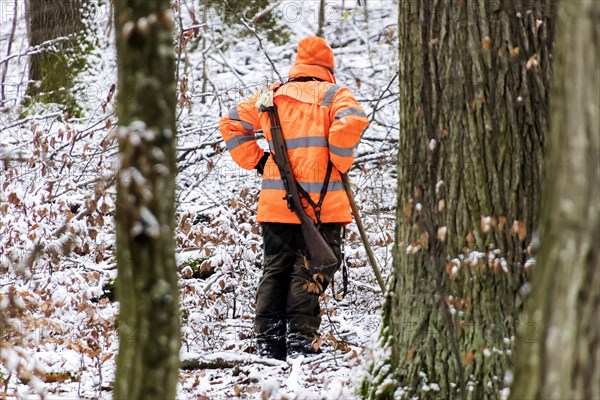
(190, 361)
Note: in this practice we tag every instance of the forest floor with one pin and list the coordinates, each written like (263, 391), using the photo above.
(57, 267)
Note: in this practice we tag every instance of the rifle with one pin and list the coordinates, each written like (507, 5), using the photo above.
(322, 258)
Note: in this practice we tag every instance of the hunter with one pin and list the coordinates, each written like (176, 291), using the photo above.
(321, 124)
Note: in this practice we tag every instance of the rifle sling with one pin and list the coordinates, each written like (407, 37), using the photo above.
(274, 118)
(317, 206)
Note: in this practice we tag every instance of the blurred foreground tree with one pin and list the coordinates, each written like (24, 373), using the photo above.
(563, 362)
(149, 341)
(473, 113)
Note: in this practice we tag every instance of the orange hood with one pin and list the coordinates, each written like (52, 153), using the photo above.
(314, 58)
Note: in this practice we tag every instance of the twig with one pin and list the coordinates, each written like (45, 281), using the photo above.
(372, 157)
(37, 49)
(375, 108)
(10, 42)
(365, 286)
(233, 70)
(32, 118)
(38, 247)
(260, 44)
(191, 28)
(180, 47)
(211, 281)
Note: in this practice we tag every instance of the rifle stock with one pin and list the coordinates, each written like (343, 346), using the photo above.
(322, 258)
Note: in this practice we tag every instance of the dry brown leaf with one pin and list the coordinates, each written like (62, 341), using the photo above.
(196, 381)
(54, 377)
(306, 264)
(424, 239)
(496, 265)
(470, 239)
(13, 198)
(441, 205)
(312, 287)
(502, 222)
(486, 42)
(389, 238)
(410, 355)
(468, 357)
(466, 303)
(522, 231)
(99, 220)
(533, 62)
(449, 268)
(317, 343)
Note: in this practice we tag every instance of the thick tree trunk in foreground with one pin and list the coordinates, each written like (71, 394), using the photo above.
(473, 112)
(148, 360)
(563, 362)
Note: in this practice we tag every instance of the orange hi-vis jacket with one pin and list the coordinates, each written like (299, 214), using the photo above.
(320, 122)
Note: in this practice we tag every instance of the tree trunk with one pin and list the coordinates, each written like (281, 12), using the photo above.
(473, 110)
(52, 73)
(321, 22)
(11, 38)
(562, 359)
(148, 360)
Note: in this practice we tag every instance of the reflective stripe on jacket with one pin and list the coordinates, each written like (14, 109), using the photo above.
(320, 122)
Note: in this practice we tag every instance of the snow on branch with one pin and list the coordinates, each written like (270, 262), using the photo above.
(39, 48)
(225, 359)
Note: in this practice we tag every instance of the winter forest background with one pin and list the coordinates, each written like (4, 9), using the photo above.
(477, 180)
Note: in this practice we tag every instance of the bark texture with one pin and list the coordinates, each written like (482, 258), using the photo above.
(563, 360)
(52, 73)
(149, 341)
(321, 22)
(473, 112)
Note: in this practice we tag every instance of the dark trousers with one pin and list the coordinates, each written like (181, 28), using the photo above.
(285, 309)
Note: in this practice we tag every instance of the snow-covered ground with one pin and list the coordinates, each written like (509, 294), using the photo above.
(57, 333)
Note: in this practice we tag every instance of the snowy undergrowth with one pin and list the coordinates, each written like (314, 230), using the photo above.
(57, 335)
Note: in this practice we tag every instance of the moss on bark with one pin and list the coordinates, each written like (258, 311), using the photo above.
(52, 73)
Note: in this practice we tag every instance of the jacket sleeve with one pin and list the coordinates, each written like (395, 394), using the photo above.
(237, 128)
(348, 120)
